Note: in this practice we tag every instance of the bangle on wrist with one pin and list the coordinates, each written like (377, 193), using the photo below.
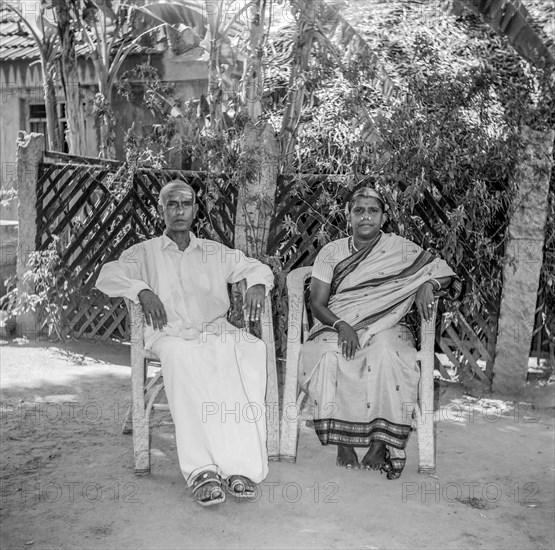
(436, 282)
(335, 323)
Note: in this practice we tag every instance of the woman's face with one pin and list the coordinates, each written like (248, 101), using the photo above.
(367, 217)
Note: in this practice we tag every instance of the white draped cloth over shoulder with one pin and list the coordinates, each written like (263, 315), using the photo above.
(372, 396)
(214, 373)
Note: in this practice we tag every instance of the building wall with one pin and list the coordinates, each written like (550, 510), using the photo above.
(9, 122)
(21, 85)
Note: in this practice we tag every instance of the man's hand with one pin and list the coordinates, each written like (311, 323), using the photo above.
(347, 339)
(254, 301)
(425, 300)
(153, 309)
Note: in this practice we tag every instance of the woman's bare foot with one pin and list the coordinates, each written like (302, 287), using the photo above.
(347, 457)
(374, 459)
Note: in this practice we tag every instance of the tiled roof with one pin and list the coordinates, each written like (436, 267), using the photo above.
(16, 43)
(15, 40)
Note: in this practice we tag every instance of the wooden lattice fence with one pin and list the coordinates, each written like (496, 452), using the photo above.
(99, 210)
(467, 341)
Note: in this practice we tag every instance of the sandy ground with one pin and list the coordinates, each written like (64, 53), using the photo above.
(67, 473)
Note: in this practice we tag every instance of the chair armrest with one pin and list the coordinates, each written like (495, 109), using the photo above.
(295, 325)
(137, 334)
(136, 321)
(428, 331)
(265, 317)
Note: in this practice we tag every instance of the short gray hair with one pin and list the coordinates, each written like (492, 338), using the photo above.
(174, 184)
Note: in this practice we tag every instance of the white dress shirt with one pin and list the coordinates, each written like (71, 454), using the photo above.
(192, 284)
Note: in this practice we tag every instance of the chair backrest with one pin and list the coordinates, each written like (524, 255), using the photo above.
(297, 321)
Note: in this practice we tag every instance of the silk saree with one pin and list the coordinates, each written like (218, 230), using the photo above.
(372, 396)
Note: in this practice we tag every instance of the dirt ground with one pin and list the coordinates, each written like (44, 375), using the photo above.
(68, 482)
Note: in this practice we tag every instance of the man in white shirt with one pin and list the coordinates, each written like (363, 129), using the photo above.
(214, 373)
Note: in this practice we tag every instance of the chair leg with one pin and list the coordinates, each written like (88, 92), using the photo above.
(426, 447)
(425, 409)
(425, 425)
(290, 427)
(272, 399)
(290, 412)
(128, 421)
(140, 419)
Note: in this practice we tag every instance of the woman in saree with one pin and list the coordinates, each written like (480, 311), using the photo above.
(358, 365)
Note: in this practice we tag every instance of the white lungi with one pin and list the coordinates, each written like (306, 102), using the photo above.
(215, 389)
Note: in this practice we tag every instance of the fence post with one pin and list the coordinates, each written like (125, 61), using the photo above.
(30, 150)
(523, 261)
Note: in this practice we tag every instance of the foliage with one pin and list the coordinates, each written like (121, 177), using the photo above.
(442, 147)
(452, 137)
(7, 196)
(183, 135)
(425, 106)
(230, 34)
(143, 85)
(50, 296)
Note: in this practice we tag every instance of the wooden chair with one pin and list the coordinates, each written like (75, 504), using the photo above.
(145, 390)
(298, 328)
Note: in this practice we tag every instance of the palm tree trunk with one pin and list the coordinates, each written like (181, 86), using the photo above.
(254, 80)
(70, 81)
(293, 108)
(54, 138)
(53, 142)
(106, 119)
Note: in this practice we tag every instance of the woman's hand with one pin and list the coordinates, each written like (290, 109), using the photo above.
(319, 298)
(347, 339)
(425, 300)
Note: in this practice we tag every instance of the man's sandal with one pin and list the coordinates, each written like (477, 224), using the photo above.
(217, 494)
(241, 486)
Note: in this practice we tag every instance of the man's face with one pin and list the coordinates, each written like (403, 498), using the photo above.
(179, 209)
